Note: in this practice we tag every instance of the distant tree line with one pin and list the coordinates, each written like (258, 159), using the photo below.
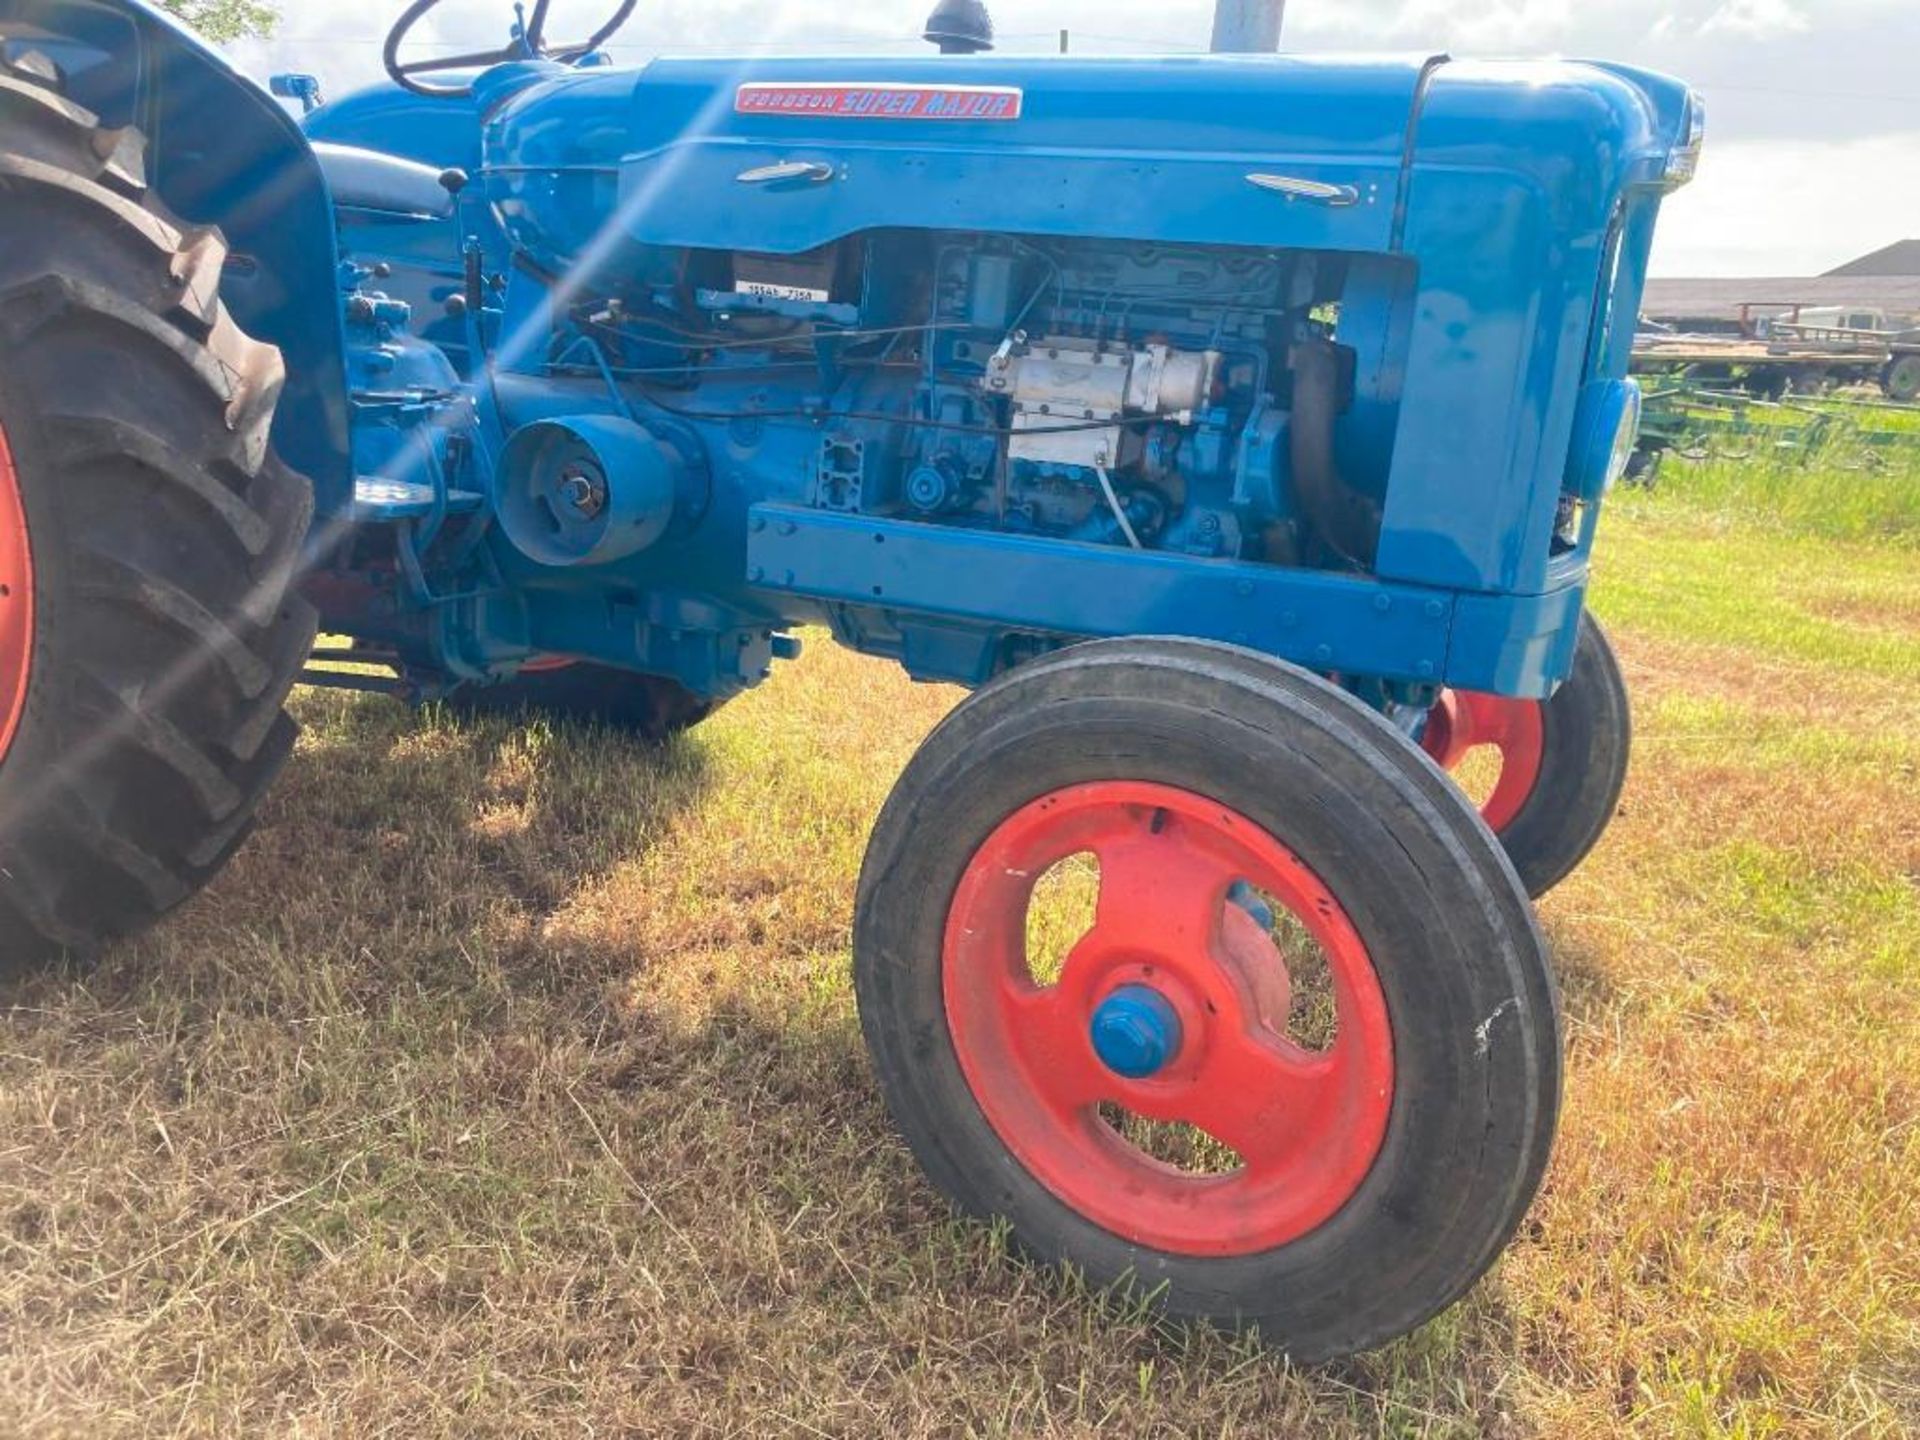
(226, 19)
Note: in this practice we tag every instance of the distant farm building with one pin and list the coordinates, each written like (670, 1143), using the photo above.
(1900, 260)
(1885, 283)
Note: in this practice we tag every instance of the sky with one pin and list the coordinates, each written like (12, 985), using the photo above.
(1813, 153)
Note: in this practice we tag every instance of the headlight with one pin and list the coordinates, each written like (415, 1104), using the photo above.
(1626, 438)
(1606, 429)
(1684, 163)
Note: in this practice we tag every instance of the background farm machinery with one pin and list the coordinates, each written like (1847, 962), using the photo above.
(1702, 422)
(1239, 429)
(1790, 348)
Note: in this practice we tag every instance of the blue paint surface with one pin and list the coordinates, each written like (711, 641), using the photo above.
(1136, 1032)
(1417, 281)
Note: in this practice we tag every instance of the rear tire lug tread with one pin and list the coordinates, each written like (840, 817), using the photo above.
(33, 906)
(256, 776)
(292, 643)
(144, 729)
(30, 309)
(196, 729)
(112, 162)
(123, 161)
(198, 271)
(23, 95)
(273, 599)
(243, 377)
(154, 235)
(86, 441)
(113, 581)
(161, 887)
(285, 501)
(35, 67)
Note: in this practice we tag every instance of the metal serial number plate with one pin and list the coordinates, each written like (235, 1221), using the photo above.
(762, 290)
(883, 102)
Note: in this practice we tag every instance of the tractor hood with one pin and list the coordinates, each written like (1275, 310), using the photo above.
(781, 155)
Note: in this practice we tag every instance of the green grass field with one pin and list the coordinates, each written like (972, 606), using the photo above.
(511, 1084)
(1850, 470)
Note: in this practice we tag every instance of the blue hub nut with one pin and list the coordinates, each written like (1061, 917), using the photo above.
(1136, 1032)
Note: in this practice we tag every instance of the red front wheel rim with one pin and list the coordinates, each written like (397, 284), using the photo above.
(1305, 1124)
(16, 601)
(1465, 721)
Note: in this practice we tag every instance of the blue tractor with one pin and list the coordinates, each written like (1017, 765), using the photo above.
(1235, 428)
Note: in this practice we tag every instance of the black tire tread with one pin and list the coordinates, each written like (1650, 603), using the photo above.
(158, 723)
(649, 707)
(112, 580)
(84, 441)
(1182, 688)
(1588, 746)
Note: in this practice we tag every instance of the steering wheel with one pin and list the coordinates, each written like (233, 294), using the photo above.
(530, 43)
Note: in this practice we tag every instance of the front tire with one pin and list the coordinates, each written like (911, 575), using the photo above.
(150, 534)
(1563, 762)
(649, 707)
(1234, 805)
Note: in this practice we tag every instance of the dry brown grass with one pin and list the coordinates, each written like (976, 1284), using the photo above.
(510, 1084)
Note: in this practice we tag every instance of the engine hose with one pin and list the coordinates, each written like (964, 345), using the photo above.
(1119, 510)
(1344, 519)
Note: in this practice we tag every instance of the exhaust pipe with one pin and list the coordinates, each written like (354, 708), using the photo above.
(960, 27)
(1247, 27)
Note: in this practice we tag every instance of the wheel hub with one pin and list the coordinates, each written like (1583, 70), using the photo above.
(1136, 1032)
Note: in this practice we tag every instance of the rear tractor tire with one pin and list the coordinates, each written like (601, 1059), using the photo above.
(1563, 762)
(148, 539)
(648, 707)
(1298, 1071)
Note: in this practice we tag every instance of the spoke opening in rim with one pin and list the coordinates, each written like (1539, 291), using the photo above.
(1060, 913)
(1175, 1143)
(1285, 967)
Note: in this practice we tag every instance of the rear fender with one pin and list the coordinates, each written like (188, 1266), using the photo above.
(222, 152)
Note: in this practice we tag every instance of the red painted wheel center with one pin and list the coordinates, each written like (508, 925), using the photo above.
(1464, 722)
(1306, 1124)
(16, 601)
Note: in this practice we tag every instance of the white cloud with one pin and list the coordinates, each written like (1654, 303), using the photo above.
(1504, 25)
(1759, 18)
